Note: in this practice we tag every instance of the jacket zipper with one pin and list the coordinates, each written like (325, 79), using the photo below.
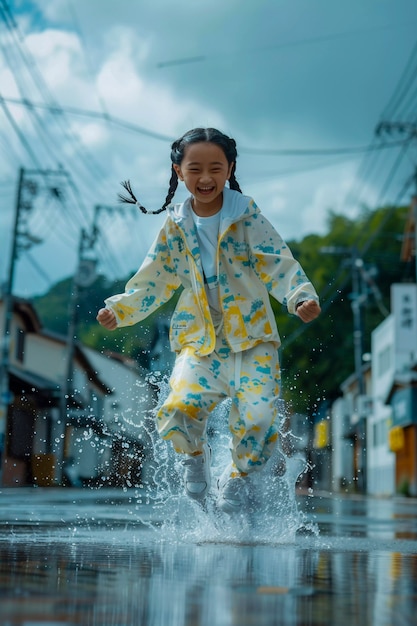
(194, 269)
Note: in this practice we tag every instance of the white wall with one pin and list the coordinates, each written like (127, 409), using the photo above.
(45, 357)
(380, 460)
(132, 400)
(342, 448)
(129, 410)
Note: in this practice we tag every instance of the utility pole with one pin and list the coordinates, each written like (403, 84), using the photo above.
(359, 296)
(5, 394)
(415, 228)
(358, 299)
(414, 209)
(85, 274)
(27, 189)
(80, 279)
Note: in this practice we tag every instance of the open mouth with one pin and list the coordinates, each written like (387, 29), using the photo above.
(205, 191)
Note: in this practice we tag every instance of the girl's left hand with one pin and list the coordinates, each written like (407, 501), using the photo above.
(308, 310)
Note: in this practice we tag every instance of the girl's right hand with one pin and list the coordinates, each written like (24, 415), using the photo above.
(308, 310)
(107, 318)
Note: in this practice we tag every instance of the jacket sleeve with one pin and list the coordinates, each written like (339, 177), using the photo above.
(275, 265)
(153, 284)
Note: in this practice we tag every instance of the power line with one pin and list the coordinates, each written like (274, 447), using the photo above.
(30, 65)
(19, 133)
(321, 151)
(266, 175)
(158, 136)
(412, 131)
(343, 274)
(43, 132)
(274, 46)
(402, 87)
(58, 110)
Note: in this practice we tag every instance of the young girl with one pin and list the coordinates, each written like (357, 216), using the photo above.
(227, 257)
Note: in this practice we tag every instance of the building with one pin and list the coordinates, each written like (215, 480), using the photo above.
(349, 441)
(127, 417)
(389, 405)
(96, 434)
(384, 460)
(380, 459)
(392, 453)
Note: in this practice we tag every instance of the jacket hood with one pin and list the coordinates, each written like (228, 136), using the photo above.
(235, 207)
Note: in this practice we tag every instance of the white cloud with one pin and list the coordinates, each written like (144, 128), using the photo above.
(58, 53)
(91, 134)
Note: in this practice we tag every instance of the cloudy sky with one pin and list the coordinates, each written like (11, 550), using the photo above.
(94, 91)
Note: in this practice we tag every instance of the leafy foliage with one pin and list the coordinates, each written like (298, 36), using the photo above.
(317, 358)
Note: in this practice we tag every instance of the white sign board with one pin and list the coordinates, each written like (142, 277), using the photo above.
(404, 308)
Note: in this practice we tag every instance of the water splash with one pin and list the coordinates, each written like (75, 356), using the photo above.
(270, 517)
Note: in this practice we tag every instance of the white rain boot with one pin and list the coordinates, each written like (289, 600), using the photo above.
(197, 476)
(233, 492)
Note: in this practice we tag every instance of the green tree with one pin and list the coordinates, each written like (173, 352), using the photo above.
(318, 357)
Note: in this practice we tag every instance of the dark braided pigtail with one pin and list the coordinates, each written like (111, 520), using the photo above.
(173, 184)
(131, 199)
(231, 155)
(233, 184)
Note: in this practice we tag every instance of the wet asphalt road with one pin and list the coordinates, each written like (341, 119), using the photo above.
(102, 558)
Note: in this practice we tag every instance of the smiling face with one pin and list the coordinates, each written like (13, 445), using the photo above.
(205, 171)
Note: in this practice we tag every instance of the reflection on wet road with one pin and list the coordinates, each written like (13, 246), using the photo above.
(99, 558)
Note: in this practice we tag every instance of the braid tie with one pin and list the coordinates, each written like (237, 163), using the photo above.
(131, 199)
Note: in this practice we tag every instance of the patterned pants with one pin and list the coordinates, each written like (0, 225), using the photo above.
(198, 384)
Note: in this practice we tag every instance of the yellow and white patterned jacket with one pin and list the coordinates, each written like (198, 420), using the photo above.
(252, 261)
